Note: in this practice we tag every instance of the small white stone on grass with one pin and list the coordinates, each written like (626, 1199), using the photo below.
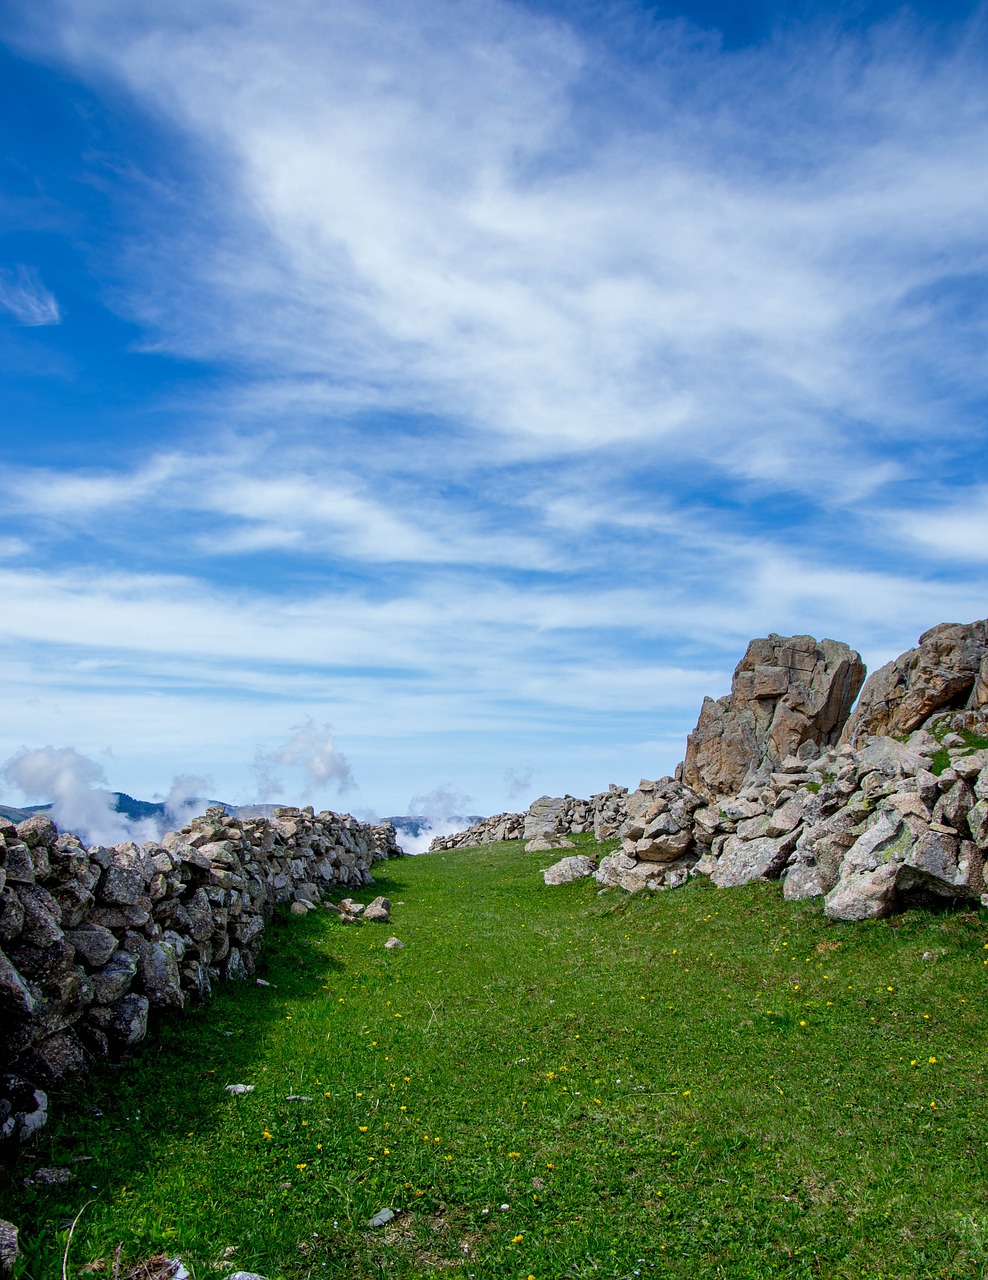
(382, 1217)
(239, 1088)
(394, 944)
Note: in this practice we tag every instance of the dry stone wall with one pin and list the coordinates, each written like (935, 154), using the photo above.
(868, 829)
(869, 810)
(93, 940)
(549, 819)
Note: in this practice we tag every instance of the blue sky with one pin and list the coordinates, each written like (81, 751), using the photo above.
(475, 378)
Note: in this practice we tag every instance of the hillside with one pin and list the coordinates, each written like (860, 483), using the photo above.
(546, 1083)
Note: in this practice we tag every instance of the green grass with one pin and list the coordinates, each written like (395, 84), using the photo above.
(941, 757)
(695, 1083)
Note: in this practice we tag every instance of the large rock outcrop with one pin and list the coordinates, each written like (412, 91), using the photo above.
(867, 829)
(948, 671)
(789, 694)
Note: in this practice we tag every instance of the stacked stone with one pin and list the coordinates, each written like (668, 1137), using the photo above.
(866, 824)
(868, 829)
(658, 846)
(502, 826)
(549, 819)
(94, 939)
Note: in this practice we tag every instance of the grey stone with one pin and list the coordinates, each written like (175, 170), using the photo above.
(378, 911)
(37, 830)
(891, 758)
(545, 817)
(57, 1057)
(93, 943)
(129, 1023)
(568, 869)
(23, 1109)
(58, 1176)
(745, 860)
(803, 880)
(8, 1248)
(664, 848)
(15, 996)
(115, 977)
(544, 844)
(157, 971)
(394, 944)
(867, 894)
(18, 864)
(382, 1217)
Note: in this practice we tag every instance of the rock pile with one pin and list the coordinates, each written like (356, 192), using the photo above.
(94, 939)
(866, 823)
(780, 780)
(549, 819)
(865, 828)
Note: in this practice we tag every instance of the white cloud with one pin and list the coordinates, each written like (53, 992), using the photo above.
(956, 529)
(417, 210)
(27, 299)
(530, 350)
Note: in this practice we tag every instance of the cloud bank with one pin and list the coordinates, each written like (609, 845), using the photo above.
(533, 366)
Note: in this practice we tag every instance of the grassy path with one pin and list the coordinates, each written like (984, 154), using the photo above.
(550, 1083)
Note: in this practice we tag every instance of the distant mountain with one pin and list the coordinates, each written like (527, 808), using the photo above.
(137, 810)
(134, 810)
(415, 824)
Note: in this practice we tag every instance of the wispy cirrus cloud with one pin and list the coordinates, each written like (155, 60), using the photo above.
(25, 298)
(542, 374)
(741, 256)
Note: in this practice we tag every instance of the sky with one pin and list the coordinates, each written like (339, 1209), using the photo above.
(425, 404)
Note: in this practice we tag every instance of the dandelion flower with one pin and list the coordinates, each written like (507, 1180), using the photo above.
(517, 1239)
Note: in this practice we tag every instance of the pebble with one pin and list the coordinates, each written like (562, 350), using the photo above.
(381, 1217)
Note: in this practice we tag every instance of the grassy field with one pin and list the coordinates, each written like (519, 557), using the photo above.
(548, 1083)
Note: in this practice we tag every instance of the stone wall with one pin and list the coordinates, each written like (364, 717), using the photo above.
(867, 828)
(550, 818)
(93, 940)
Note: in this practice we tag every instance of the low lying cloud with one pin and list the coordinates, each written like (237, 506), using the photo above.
(444, 811)
(311, 751)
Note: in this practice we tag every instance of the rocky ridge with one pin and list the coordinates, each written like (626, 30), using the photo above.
(93, 940)
(869, 809)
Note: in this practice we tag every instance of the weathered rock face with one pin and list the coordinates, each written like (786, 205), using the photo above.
(948, 671)
(769, 792)
(92, 941)
(789, 695)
